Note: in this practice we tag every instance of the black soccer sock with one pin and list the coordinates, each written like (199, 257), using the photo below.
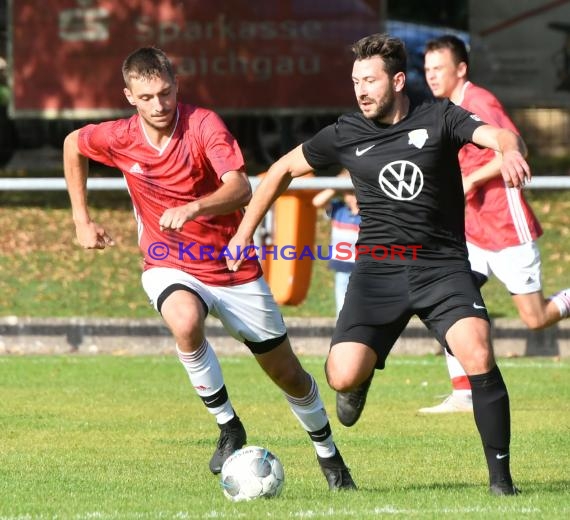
(493, 420)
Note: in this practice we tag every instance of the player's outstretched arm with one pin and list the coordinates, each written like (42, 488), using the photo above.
(323, 197)
(76, 169)
(514, 168)
(274, 183)
(483, 174)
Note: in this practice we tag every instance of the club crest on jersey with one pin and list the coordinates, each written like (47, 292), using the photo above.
(401, 180)
(475, 117)
(418, 137)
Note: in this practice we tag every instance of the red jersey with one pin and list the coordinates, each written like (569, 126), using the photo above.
(189, 166)
(496, 216)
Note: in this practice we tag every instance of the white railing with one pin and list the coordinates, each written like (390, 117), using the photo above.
(306, 183)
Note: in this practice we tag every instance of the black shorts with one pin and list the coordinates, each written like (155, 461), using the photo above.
(381, 299)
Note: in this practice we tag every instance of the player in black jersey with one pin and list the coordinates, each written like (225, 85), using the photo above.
(412, 258)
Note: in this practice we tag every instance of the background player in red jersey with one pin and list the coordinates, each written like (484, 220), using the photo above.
(185, 175)
(500, 228)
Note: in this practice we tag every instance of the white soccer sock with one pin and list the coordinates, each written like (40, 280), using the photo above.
(562, 301)
(458, 376)
(310, 412)
(206, 377)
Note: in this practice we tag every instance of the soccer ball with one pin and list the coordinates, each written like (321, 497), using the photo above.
(252, 472)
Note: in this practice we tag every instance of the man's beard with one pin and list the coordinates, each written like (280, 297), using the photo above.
(385, 107)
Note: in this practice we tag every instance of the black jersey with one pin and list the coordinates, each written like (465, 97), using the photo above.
(406, 178)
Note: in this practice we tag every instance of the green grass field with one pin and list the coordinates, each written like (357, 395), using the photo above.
(126, 438)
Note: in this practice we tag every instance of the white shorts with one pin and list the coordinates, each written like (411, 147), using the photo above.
(517, 267)
(248, 311)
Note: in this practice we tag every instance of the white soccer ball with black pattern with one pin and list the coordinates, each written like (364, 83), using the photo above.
(250, 473)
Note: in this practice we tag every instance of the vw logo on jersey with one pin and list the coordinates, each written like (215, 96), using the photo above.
(401, 180)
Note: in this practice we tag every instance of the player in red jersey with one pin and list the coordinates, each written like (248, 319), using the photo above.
(500, 227)
(185, 175)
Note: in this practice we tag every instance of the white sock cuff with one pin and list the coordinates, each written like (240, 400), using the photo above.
(307, 400)
(193, 356)
(454, 367)
(562, 300)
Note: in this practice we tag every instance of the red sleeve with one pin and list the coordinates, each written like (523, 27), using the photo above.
(221, 147)
(490, 110)
(94, 142)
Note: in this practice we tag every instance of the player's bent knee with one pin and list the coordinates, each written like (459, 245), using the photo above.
(340, 384)
(189, 334)
(349, 365)
(478, 360)
(339, 378)
(533, 322)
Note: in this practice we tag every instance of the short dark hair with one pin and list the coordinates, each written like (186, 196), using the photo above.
(146, 63)
(454, 44)
(392, 51)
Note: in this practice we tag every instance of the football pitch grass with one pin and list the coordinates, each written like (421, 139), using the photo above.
(126, 438)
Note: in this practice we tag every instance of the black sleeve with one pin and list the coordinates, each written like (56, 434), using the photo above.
(460, 124)
(320, 151)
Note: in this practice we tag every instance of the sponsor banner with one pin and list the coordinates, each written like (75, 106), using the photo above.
(230, 55)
